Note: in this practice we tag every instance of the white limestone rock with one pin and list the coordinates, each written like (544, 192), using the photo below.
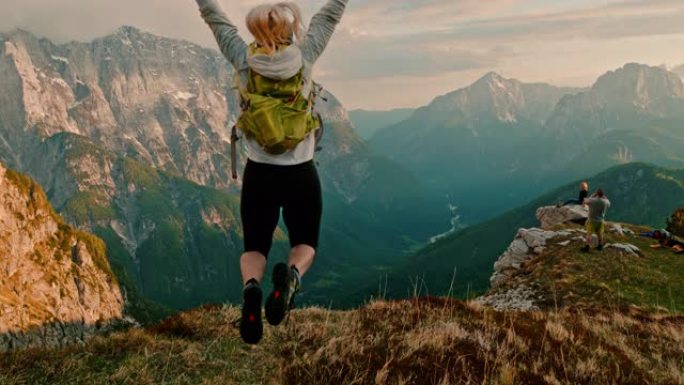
(521, 298)
(552, 216)
(625, 247)
(620, 230)
(527, 244)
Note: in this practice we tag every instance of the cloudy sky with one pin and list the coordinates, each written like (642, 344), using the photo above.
(393, 53)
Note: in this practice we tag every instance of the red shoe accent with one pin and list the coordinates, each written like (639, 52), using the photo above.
(252, 318)
(276, 294)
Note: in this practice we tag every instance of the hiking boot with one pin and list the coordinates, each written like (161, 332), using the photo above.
(281, 300)
(251, 328)
(585, 249)
(599, 247)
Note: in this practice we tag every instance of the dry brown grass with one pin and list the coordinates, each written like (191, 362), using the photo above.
(198, 347)
(439, 341)
(421, 341)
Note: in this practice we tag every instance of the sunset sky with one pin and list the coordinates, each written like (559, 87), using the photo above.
(390, 53)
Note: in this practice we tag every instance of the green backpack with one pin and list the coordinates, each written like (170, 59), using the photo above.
(275, 113)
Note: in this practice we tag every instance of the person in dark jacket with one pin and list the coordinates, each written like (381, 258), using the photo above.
(583, 194)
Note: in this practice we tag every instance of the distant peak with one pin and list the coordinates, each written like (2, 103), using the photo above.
(492, 80)
(16, 33)
(630, 72)
(634, 68)
(128, 30)
(128, 34)
(492, 76)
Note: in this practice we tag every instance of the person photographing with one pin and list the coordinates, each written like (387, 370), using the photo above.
(598, 205)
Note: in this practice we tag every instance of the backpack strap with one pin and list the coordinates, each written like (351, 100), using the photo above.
(242, 89)
(234, 138)
(316, 91)
(233, 151)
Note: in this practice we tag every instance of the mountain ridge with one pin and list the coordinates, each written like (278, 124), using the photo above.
(632, 114)
(127, 134)
(461, 262)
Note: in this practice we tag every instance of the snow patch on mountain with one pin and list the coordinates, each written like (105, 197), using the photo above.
(60, 58)
(184, 96)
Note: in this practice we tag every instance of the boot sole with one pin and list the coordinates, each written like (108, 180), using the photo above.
(251, 328)
(276, 303)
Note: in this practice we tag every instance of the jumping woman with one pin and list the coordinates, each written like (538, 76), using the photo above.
(274, 78)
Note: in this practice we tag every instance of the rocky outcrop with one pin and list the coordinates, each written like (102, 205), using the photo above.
(553, 216)
(527, 244)
(56, 285)
(517, 298)
(620, 230)
(510, 293)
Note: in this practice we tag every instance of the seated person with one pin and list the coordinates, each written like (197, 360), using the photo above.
(583, 194)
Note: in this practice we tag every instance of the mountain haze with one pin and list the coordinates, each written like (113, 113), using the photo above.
(639, 193)
(128, 135)
(367, 123)
(635, 113)
(500, 132)
(482, 135)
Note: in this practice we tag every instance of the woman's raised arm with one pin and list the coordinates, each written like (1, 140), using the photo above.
(231, 44)
(321, 29)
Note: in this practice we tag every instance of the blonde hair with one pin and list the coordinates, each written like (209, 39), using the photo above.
(275, 24)
(584, 186)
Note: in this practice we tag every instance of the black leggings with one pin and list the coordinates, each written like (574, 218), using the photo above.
(268, 188)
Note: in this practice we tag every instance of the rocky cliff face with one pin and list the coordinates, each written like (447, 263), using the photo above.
(165, 102)
(679, 70)
(172, 238)
(495, 98)
(55, 282)
(533, 242)
(622, 99)
(162, 101)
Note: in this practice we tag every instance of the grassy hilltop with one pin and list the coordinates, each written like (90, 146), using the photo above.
(421, 341)
(609, 318)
